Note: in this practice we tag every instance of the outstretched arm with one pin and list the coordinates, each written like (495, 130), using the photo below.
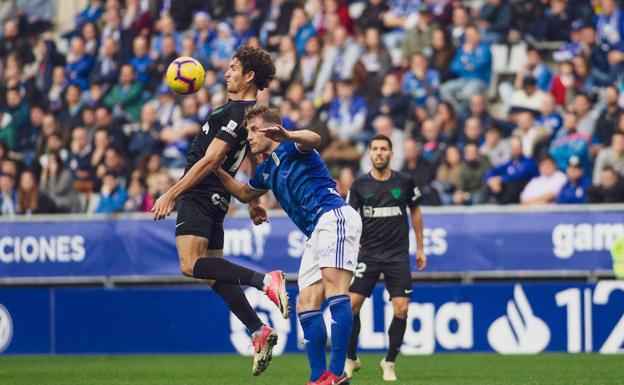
(215, 153)
(306, 140)
(242, 192)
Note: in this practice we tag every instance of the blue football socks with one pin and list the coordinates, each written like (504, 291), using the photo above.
(342, 321)
(315, 335)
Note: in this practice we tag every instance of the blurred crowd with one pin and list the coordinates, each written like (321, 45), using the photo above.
(485, 101)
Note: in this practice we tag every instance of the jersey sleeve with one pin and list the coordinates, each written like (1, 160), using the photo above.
(353, 197)
(257, 182)
(231, 128)
(413, 193)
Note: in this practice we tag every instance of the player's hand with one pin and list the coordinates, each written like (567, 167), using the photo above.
(258, 214)
(421, 260)
(276, 133)
(163, 206)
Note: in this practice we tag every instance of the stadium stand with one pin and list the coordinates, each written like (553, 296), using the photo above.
(88, 124)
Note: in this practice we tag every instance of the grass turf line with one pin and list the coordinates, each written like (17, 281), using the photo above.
(441, 369)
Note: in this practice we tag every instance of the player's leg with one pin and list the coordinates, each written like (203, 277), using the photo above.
(364, 280)
(339, 233)
(311, 297)
(399, 284)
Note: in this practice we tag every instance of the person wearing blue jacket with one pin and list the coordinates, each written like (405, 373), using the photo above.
(473, 66)
(570, 142)
(575, 189)
(79, 64)
(113, 195)
(507, 181)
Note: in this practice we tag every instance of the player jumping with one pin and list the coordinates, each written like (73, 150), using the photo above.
(296, 174)
(381, 197)
(203, 202)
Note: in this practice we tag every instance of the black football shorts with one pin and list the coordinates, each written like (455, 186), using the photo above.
(397, 276)
(202, 216)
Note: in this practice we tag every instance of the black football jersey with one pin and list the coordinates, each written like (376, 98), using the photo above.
(383, 208)
(228, 124)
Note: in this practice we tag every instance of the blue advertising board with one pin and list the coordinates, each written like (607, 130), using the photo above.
(454, 242)
(500, 317)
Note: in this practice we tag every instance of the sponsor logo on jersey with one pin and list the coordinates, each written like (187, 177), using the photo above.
(276, 159)
(206, 128)
(367, 196)
(229, 130)
(417, 193)
(220, 201)
(382, 212)
(396, 192)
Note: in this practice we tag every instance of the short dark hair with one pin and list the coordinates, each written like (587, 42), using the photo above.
(269, 115)
(380, 137)
(258, 61)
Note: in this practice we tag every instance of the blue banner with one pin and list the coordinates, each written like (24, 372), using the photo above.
(504, 317)
(454, 242)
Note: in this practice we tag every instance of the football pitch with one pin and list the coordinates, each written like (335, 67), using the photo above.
(442, 369)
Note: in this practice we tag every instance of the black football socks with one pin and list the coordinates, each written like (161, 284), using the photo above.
(236, 301)
(225, 271)
(396, 331)
(355, 334)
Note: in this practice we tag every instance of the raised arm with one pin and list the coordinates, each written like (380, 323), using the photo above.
(242, 192)
(306, 140)
(215, 153)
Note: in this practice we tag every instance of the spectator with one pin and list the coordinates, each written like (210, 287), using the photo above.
(442, 53)
(339, 58)
(610, 189)
(446, 118)
(222, 47)
(8, 194)
(113, 195)
(568, 142)
(549, 118)
(11, 41)
(106, 67)
(612, 157)
(461, 19)
(418, 38)
(300, 29)
(577, 185)
(70, 114)
(79, 64)
(528, 97)
(166, 28)
(242, 29)
(345, 180)
(610, 30)
(544, 188)
(506, 182)
(392, 102)
(535, 68)
(495, 20)
(473, 65)
(146, 139)
(89, 34)
(310, 120)
(104, 119)
(531, 135)
(447, 177)
(473, 132)
(347, 113)
(556, 23)
(608, 119)
(585, 116)
(420, 171)
(376, 61)
(309, 63)
(137, 18)
(285, 63)
(495, 147)
(140, 60)
(471, 188)
(177, 137)
(373, 15)
(564, 84)
(81, 151)
(126, 96)
(57, 183)
(433, 143)
(92, 13)
(138, 198)
(30, 200)
(421, 82)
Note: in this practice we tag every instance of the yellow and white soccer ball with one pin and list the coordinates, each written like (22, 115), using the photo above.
(185, 75)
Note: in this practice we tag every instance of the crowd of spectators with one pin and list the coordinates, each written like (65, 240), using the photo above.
(87, 123)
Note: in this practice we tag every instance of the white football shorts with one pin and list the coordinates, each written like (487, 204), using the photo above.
(335, 242)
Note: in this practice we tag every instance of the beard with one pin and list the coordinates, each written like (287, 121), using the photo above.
(381, 165)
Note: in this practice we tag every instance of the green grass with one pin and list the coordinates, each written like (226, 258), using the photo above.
(442, 369)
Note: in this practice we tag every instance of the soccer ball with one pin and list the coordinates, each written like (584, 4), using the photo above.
(185, 75)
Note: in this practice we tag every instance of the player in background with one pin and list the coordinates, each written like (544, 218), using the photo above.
(203, 202)
(382, 198)
(296, 174)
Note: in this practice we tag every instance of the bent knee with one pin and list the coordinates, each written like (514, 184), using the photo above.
(187, 265)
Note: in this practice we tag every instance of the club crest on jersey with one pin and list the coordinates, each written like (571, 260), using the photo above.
(396, 192)
(206, 128)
